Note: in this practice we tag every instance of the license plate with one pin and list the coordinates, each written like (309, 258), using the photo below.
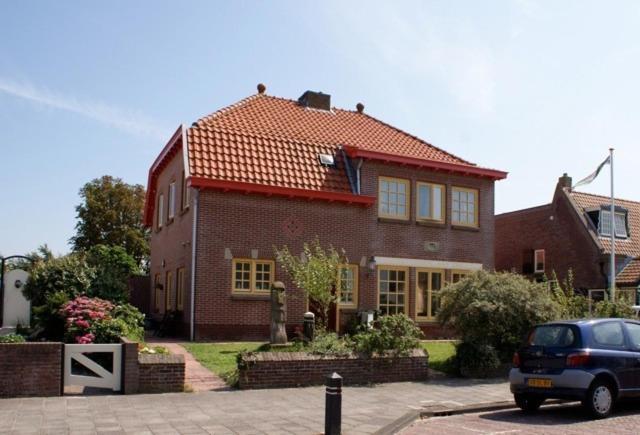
(540, 383)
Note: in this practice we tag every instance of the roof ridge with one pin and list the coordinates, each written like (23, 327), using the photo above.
(605, 197)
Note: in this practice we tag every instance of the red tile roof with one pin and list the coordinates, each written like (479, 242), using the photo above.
(271, 145)
(630, 275)
(630, 246)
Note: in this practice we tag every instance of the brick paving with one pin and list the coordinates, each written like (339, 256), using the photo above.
(567, 419)
(276, 411)
(197, 377)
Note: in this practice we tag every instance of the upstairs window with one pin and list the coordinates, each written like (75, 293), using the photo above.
(185, 193)
(464, 207)
(172, 200)
(431, 200)
(538, 260)
(160, 210)
(393, 198)
(604, 224)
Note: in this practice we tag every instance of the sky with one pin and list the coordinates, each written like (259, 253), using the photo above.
(535, 88)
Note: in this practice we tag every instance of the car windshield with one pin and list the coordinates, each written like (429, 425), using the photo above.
(552, 336)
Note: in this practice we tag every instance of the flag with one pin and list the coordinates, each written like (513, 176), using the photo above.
(592, 176)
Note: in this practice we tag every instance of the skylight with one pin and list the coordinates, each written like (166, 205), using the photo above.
(326, 160)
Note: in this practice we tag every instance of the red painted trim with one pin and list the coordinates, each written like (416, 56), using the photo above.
(493, 174)
(238, 186)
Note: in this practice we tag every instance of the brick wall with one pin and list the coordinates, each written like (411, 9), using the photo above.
(557, 229)
(30, 369)
(161, 373)
(294, 369)
(244, 223)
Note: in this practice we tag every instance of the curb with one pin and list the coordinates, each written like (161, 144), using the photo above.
(444, 411)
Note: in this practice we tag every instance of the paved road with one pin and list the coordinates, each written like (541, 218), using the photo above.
(559, 419)
(277, 411)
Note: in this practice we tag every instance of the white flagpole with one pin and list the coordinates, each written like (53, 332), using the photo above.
(612, 280)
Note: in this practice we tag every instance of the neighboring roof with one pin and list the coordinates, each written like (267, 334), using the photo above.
(630, 246)
(630, 275)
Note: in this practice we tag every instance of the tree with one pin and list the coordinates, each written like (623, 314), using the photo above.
(316, 273)
(111, 214)
(113, 267)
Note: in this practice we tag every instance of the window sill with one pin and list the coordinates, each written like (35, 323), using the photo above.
(422, 320)
(170, 221)
(465, 228)
(184, 211)
(434, 224)
(348, 307)
(394, 221)
(251, 296)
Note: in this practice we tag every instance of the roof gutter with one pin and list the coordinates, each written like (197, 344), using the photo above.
(492, 174)
(237, 186)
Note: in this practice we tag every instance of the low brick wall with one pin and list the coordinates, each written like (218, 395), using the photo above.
(294, 369)
(160, 373)
(30, 369)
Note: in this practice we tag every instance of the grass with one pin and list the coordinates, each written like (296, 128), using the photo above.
(441, 356)
(220, 358)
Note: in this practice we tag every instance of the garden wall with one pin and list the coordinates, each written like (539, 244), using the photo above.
(294, 369)
(160, 373)
(30, 369)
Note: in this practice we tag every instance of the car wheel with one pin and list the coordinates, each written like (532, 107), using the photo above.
(528, 402)
(600, 398)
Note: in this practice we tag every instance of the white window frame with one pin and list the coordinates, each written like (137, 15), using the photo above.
(172, 200)
(432, 201)
(619, 232)
(535, 260)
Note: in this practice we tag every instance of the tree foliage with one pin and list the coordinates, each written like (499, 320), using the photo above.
(112, 269)
(111, 214)
(315, 272)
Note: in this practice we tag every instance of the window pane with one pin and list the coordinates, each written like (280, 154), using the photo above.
(384, 186)
(621, 227)
(437, 203)
(605, 222)
(634, 334)
(401, 187)
(608, 334)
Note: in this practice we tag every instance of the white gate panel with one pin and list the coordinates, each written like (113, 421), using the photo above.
(104, 378)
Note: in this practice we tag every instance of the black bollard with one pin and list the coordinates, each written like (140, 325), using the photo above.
(333, 406)
(308, 326)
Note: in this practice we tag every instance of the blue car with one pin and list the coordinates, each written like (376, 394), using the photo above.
(594, 361)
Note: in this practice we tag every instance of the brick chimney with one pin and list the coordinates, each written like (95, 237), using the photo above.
(315, 100)
(565, 181)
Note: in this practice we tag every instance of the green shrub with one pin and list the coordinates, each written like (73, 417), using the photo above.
(132, 321)
(328, 343)
(12, 338)
(113, 267)
(49, 322)
(496, 309)
(69, 274)
(618, 308)
(476, 360)
(396, 334)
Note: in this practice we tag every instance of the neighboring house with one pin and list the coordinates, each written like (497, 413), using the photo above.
(269, 172)
(572, 232)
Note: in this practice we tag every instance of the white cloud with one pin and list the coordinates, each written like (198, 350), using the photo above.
(123, 119)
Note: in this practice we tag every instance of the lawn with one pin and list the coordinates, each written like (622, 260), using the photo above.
(220, 358)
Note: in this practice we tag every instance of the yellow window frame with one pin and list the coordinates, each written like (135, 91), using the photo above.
(443, 201)
(252, 275)
(406, 285)
(407, 193)
(355, 272)
(180, 289)
(429, 302)
(168, 289)
(476, 207)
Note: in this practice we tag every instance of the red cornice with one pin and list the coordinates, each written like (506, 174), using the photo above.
(493, 174)
(237, 186)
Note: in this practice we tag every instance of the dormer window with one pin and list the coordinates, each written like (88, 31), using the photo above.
(604, 223)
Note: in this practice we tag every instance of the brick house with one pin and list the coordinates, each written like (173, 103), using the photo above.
(572, 232)
(268, 172)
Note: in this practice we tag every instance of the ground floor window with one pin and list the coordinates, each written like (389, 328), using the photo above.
(459, 275)
(252, 275)
(157, 288)
(428, 286)
(348, 285)
(168, 291)
(180, 289)
(392, 290)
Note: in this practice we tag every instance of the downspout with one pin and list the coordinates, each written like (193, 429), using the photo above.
(192, 308)
(358, 176)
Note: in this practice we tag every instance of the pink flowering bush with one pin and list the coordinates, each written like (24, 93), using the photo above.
(94, 320)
